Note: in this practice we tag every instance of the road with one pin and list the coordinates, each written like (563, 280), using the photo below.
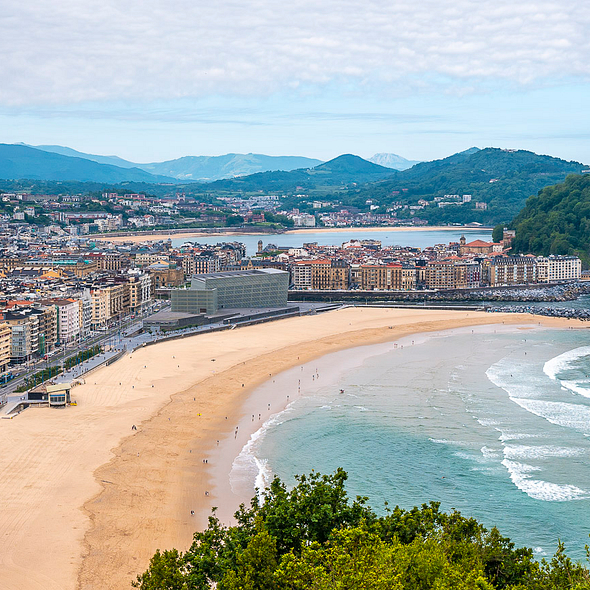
(113, 339)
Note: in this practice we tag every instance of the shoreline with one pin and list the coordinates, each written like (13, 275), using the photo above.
(212, 477)
(247, 471)
(108, 496)
(137, 238)
(381, 228)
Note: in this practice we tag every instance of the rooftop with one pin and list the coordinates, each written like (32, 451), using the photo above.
(238, 273)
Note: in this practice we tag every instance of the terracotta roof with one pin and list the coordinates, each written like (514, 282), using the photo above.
(479, 244)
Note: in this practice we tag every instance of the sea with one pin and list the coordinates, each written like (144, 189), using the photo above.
(414, 238)
(493, 421)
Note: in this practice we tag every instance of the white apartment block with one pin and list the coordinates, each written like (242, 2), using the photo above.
(302, 276)
(304, 220)
(85, 313)
(558, 268)
(68, 320)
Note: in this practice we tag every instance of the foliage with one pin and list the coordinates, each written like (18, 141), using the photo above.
(276, 218)
(498, 233)
(38, 377)
(501, 179)
(314, 537)
(82, 356)
(556, 221)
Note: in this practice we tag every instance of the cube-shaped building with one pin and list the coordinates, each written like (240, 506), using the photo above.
(215, 291)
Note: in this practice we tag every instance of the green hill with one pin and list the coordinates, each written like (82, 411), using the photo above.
(198, 168)
(503, 179)
(20, 161)
(341, 172)
(557, 220)
(211, 168)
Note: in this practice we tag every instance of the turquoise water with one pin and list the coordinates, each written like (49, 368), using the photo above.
(494, 423)
(418, 239)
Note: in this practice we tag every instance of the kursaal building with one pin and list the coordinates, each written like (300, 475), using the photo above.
(216, 291)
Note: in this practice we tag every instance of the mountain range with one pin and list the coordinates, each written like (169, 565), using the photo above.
(499, 180)
(336, 174)
(60, 163)
(198, 168)
(21, 161)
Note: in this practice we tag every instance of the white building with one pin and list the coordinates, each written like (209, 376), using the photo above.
(85, 313)
(301, 275)
(558, 268)
(68, 320)
(304, 220)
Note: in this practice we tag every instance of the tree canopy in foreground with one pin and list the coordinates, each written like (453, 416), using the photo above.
(314, 537)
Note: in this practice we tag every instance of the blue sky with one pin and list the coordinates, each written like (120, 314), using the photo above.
(152, 81)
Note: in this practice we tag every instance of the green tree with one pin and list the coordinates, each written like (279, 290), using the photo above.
(313, 537)
(498, 233)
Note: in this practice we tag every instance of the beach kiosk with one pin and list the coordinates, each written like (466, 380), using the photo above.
(58, 395)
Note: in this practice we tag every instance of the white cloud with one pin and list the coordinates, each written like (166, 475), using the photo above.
(93, 50)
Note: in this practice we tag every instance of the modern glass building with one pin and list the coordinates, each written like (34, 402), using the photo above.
(212, 292)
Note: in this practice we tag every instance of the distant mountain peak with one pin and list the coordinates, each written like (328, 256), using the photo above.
(394, 161)
(350, 163)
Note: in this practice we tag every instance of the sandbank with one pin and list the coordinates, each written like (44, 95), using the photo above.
(138, 238)
(380, 228)
(85, 501)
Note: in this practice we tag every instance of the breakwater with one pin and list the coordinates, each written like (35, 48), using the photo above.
(555, 312)
(525, 293)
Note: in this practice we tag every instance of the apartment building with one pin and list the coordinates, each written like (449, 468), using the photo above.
(558, 268)
(24, 334)
(5, 346)
(467, 274)
(330, 274)
(301, 275)
(148, 258)
(200, 264)
(512, 270)
(440, 274)
(389, 277)
(118, 299)
(140, 291)
(68, 320)
(47, 315)
(112, 261)
(85, 313)
(100, 308)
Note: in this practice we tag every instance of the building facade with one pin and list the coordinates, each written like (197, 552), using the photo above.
(232, 289)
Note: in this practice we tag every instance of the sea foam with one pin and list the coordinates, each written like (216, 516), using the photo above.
(564, 362)
(540, 451)
(520, 474)
(564, 414)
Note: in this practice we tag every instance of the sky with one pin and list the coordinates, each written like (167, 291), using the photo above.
(153, 80)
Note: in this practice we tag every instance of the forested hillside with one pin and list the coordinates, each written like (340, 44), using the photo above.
(502, 179)
(326, 177)
(314, 538)
(557, 220)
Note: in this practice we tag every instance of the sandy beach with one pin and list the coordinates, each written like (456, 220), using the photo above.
(85, 500)
(313, 230)
(139, 238)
